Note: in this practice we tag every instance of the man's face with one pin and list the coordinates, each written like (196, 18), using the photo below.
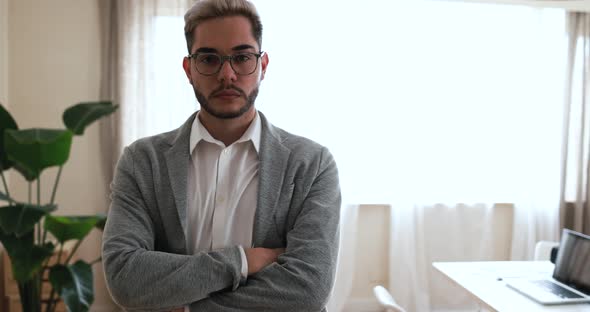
(225, 94)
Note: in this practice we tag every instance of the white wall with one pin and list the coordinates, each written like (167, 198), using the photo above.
(54, 49)
(3, 52)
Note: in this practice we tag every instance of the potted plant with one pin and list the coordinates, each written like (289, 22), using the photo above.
(29, 232)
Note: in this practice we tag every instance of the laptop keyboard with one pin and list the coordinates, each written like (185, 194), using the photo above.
(557, 290)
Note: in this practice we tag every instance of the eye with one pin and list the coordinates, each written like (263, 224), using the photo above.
(208, 59)
(242, 58)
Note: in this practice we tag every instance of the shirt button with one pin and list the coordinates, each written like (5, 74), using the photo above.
(220, 199)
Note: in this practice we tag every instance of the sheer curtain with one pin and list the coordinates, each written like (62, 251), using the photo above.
(575, 209)
(155, 95)
(143, 47)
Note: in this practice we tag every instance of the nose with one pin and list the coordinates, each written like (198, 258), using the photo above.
(226, 74)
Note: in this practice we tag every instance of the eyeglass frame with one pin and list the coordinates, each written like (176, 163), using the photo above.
(225, 58)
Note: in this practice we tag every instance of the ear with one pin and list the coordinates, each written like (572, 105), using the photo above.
(264, 64)
(186, 65)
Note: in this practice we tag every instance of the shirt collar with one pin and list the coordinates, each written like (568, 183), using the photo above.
(198, 133)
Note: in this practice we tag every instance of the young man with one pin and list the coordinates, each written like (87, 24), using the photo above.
(228, 212)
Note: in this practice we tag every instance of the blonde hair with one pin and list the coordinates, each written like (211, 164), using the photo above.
(204, 10)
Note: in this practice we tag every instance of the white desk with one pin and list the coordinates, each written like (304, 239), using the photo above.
(486, 281)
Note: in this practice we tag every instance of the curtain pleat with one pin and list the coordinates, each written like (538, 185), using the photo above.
(575, 189)
(127, 71)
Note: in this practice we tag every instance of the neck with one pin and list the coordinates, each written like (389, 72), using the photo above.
(227, 130)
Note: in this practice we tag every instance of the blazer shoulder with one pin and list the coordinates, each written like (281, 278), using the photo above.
(158, 144)
(154, 143)
(305, 151)
(297, 143)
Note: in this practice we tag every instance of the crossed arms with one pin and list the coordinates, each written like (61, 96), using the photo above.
(141, 278)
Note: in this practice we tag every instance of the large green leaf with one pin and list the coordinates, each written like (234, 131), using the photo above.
(26, 258)
(34, 150)
(28, 174)
(20, 219)
(65, 228)
(79, 116)
(6, 122)
(74, 285)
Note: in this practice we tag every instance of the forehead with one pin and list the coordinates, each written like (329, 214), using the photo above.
(224, 33)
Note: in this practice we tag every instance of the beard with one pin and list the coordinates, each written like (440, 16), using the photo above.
(206, 106)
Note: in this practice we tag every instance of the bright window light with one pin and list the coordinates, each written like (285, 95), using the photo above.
(422, 101)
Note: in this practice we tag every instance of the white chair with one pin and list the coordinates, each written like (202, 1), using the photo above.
(543, 250)
(386, 300)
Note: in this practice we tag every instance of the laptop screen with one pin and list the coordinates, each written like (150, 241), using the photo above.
(572, 265)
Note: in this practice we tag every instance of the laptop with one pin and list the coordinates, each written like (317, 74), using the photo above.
(571, 277)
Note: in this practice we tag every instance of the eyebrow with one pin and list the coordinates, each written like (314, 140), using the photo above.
(243, 47)
(206, 50)
(236, 48)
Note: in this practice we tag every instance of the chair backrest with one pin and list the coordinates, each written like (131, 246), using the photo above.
(543, 250)
(386, 300)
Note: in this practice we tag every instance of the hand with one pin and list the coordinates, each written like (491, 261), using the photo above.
(260, 257)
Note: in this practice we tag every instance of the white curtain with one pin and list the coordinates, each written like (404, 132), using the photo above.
(422, 234)
(346, 256)
(575, 209)
(155, 95)
(143, 46)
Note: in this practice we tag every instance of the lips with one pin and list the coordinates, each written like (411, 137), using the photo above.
(227, 94)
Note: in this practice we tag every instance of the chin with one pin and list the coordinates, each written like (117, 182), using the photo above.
(225, 112)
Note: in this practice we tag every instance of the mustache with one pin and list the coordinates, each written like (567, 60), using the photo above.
(231, 87)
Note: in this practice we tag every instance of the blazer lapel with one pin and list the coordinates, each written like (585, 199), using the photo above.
(177, 162)
(274, 157)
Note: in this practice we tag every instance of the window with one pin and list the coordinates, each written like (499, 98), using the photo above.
(424, 101)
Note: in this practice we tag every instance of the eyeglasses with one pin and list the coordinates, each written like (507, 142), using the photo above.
(209, 64)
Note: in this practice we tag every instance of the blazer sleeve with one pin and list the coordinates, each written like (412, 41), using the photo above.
(302, 278)
(142, 279)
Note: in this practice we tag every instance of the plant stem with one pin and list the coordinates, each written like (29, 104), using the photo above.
(30, 292)
(55, 185)
(50, 304)
(61, 249)
(39, 206)
(95, 261)
(52, 199)
(44, 233)
(20, 218)
(44, 239)
(5, 186)
(73, 252)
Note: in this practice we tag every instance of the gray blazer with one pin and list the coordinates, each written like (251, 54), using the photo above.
(144, 245)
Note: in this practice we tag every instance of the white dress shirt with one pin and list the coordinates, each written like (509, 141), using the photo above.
(222, 190)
